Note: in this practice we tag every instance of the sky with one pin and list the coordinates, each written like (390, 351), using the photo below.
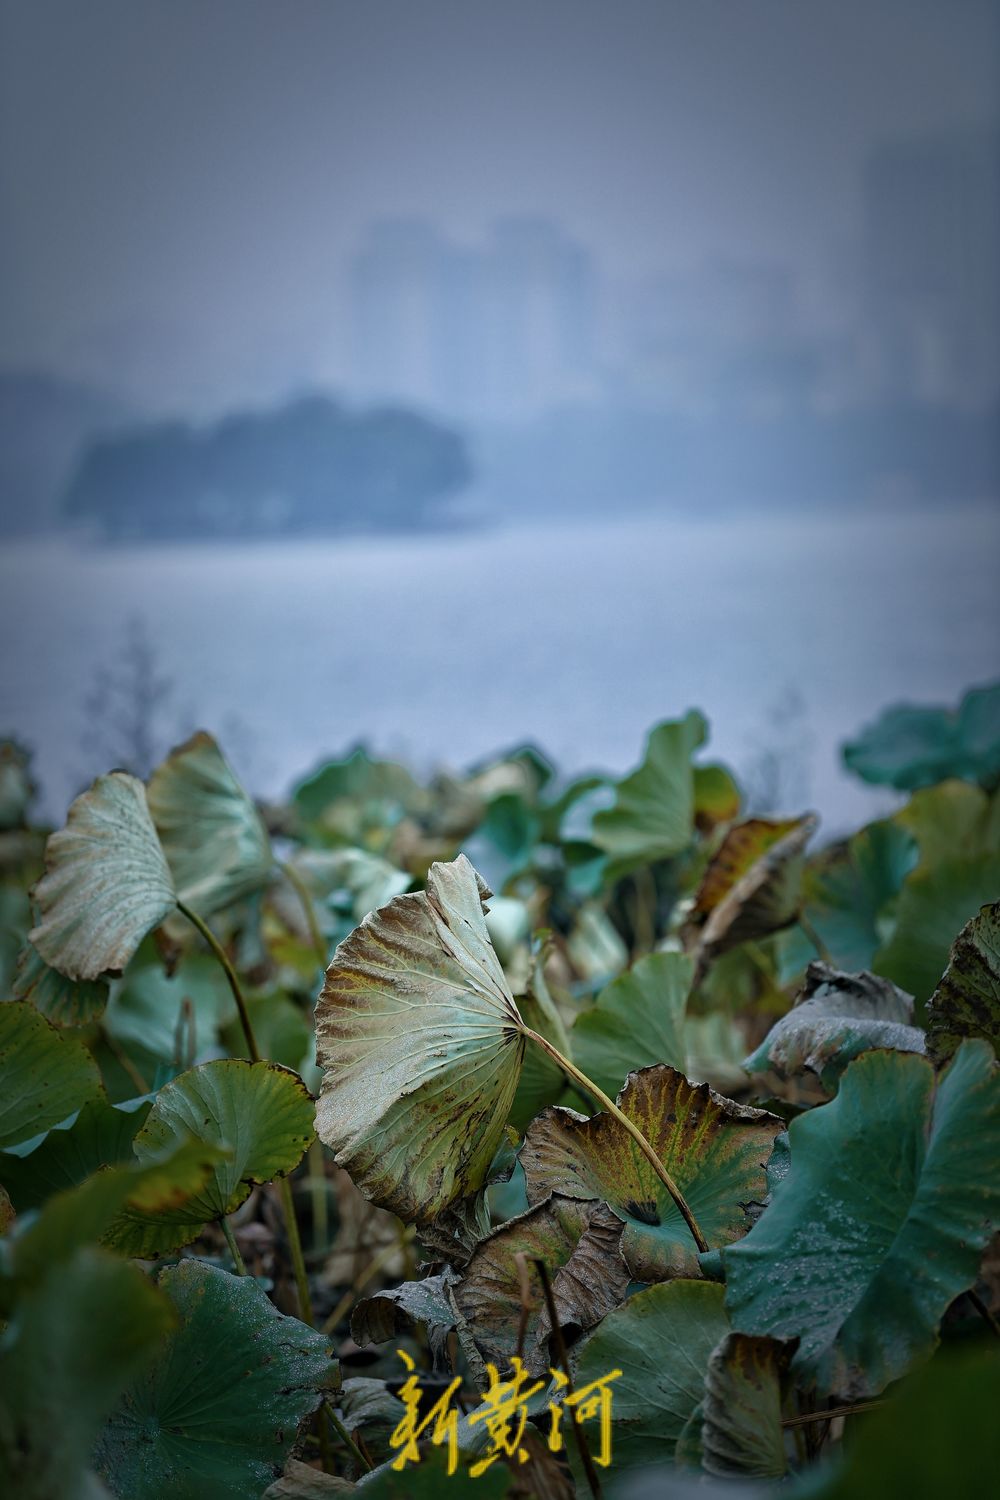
(182, 182)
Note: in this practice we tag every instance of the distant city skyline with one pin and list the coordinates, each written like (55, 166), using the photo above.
(184, 186)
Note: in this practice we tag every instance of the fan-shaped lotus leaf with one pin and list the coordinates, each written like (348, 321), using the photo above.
(211, 832)
(653, 814)
(260, 1113)
(967, 1001)
(881, 1221)
(218, 1411)
(421, 1046)
(106, 881)
(714, 1150)
(836, 1018)
(44, 1075)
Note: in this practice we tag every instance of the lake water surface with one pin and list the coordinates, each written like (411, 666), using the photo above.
(790, 632)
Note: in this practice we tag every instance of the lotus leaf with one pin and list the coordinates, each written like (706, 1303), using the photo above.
(879, 1224)
(653, 813)
(753, 886)
(741, 1433)
(715, 1150)
(967, 1001)
(66, 1002)
(44, 1075)
(100, 1135)
(638, 1020)
(911, 747)
(421, 1045)
(218, 1411)
(211, 832)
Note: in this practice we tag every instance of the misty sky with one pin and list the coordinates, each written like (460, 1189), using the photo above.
(182, 181)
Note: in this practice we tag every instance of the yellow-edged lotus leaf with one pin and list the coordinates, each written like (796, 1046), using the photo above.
(106, 883)
(421, 1044)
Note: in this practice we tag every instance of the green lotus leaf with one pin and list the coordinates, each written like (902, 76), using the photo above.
(81, 1332)
(421, 1046)
(100, 1135)
(653, 814)
(44, 1075)
(753, 886)
(218, 1411)
(280, 1027)
(879, 1224)
(967, 1001)
(661, 1339)
(957, 828)
(106, 883)
(542, 1080)
(741, 1433)
(579, 1244)
(66, 1002)
(716, 797)
(848, 894)
(911, 747)
(357, 800)
(835, 1018)
(212, 834)
(716, 1152)
(261, 1113)
(638, 1020)
(595, 947)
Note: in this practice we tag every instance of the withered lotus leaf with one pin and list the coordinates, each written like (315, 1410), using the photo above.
(421, 1045)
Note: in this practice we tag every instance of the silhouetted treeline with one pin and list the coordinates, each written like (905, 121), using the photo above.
(310, 466)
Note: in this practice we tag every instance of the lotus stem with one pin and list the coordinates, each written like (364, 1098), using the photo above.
(230, 972)
(814, 938)
(560, 1343)
(234, 1249)
(301, 890)
(346, 1439)
(633, 1130)
(295, 1246)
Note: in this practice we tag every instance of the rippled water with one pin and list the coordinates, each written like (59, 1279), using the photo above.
(448, 647)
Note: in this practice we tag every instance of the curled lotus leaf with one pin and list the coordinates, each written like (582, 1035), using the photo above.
(715, 1150)
(212, 834)
(579, 1243)
(421, 1044)
(106, 883)
(879, 1224)
(836, 1017)
(753, 886)
(966, 1003)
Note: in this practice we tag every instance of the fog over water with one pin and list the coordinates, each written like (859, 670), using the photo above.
(789, 634)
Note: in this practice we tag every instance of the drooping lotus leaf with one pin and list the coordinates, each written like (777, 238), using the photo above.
(106, 883)
(44, 1075)
(653, 814)
(218, 1411)
(967, 1001)
(880, 1222)
(911, 747)
(741, 1433)
(849, 891)
(638, 1020)
(579, 1244)
(212, 834)
(835, 1018)
(261, 1113)
(66, 1002)
(753, 886)
(661, 1339)
(421, 1046)
(81, 1332)
(100, 1135)
(716, 1152)
(957, 828)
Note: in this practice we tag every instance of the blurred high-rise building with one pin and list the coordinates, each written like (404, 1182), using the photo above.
(493, 331)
